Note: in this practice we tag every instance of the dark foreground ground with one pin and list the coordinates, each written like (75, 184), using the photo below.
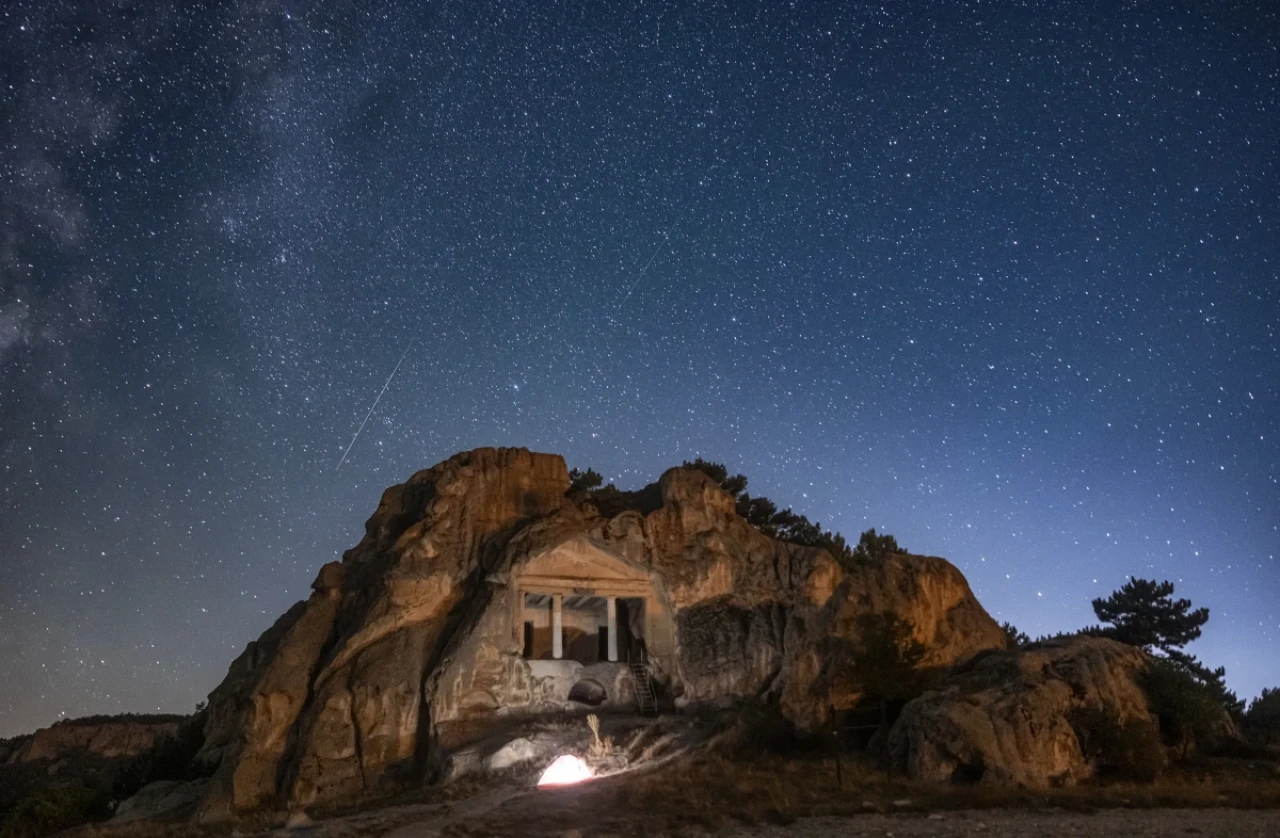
(798, 798)
(677, 782)
(1021, 824)
(1229, 823)
(990, 823)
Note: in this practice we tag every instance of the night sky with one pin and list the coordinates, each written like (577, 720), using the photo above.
(1000, 279)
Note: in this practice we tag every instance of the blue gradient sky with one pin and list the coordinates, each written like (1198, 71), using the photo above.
(998, 279)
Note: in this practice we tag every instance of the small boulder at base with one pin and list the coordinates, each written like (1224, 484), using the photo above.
(163, 799)
(515, 752)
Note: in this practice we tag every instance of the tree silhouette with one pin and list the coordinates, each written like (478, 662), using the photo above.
(1144, 613)
(887, 656)
(1187, 710)
(1014, 637)
(1264, 714)
(719, 472)
(581, 482)
(873, 546)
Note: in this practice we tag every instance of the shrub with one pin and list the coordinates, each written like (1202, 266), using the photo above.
(1188, 710)
(759, 512)
(55, 809)
(887, 656)
(170, 758)
(120, 718)
(1129, 750)
(581, 482)
(1263, 717)
(872, 546)
(761, 728)
(1014, 639)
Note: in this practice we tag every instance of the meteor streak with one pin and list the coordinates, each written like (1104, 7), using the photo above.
(385, 385)
(666, 237)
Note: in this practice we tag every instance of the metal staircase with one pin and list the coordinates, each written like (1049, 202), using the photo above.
(646, 697)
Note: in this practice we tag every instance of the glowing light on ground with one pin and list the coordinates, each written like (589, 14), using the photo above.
(565, 771)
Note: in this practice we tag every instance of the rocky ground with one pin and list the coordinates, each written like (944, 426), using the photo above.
(769, 804)
(676, 781)
(1022, 824)
(473, 820)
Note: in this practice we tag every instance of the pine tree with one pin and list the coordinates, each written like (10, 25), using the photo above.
(1264, 714)
(1188, 712)
(873, 546)
(887, 657)
(716, 471)
(1143, 613)
(581, 482)
(1014, 638)
(785, 524)
(1214, 681)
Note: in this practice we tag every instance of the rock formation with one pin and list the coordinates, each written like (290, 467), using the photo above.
(1007, 718)
(109, 740)
(482, 592)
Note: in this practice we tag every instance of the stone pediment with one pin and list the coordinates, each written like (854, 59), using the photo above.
(578, 558)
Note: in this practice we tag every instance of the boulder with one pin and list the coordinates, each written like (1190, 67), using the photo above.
(1007, 717)
(515, 752)
(163, 799)
(928, 592)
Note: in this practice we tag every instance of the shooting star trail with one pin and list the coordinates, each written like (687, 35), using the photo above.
(374, 407)
(666, 238)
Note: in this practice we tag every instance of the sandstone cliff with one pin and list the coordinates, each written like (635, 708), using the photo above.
(411, 644)
(327, 704)
(108, 740)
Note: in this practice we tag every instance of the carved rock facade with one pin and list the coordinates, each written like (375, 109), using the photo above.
(481, 592)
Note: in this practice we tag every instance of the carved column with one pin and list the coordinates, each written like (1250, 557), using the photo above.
(612, 611)
(557, 639)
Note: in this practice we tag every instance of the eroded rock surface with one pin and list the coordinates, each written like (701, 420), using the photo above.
(1007, 718)
(109, 740)
(164, 799)
(418, 641)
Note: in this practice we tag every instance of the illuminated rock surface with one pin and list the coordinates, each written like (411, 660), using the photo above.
(108, 739)
(566, 770)
(437, 626)
(1007, 720)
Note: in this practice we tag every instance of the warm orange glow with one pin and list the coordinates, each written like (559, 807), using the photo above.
(565, 771)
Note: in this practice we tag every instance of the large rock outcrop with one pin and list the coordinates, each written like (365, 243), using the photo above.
(326, 706)
(107, 739)
(410, 646)
(1007, 718)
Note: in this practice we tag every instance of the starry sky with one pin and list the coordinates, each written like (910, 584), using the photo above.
(1002, 279)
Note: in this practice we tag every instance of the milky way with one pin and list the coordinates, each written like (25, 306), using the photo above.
(1000, 279)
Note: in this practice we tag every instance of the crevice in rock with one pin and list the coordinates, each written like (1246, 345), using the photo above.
(468, 611)
(357, 740)
(289, 766)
